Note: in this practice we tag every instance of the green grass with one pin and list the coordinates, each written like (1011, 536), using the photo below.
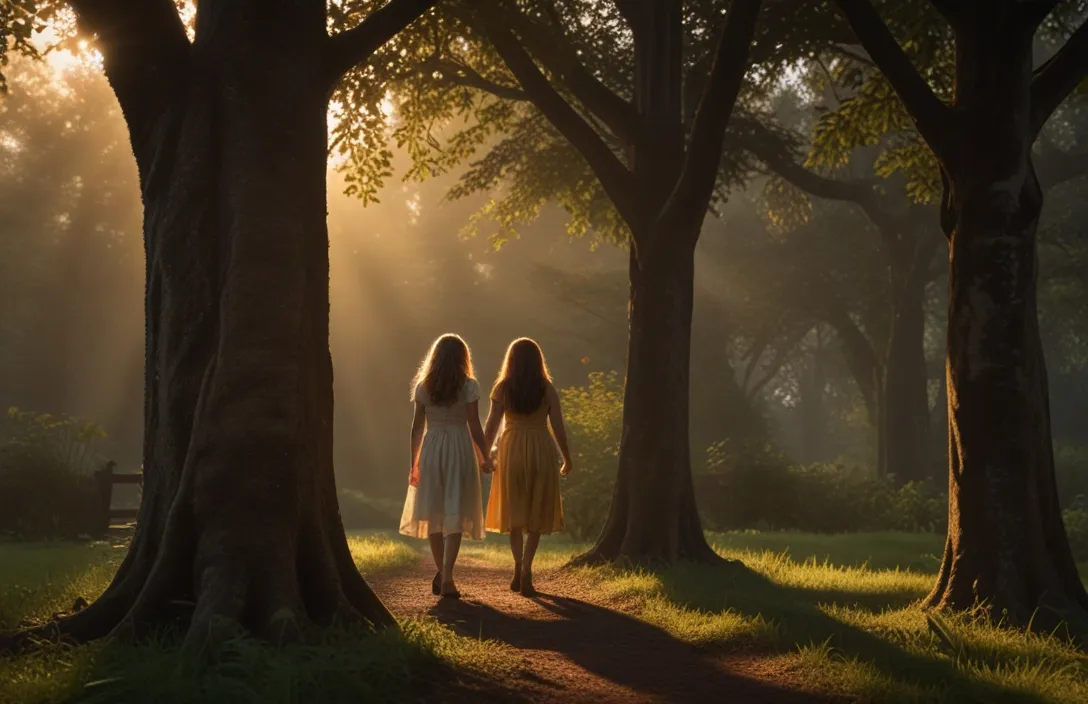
(847, 607)
(337, 665)
(844, 608)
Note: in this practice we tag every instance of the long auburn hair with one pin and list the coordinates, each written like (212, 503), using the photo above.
(445, 370)
(524, 377)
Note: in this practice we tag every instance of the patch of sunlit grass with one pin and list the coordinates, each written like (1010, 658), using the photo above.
(495, 549)
(845, 608)
(920, 552)
(377, 553)
(39, 579)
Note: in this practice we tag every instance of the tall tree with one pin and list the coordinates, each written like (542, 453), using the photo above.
(621, 120)
(861, 119)
(239, 513)
(662, 194)
(1006, 545)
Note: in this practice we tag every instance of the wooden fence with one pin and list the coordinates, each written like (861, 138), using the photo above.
(106, 479)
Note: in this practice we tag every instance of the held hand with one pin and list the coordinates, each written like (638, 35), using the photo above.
(487, 466)
(413, 476)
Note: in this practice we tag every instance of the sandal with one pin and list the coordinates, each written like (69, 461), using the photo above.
(451, 595)
(436, 584)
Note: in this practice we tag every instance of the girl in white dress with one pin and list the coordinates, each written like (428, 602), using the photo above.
(447, 457)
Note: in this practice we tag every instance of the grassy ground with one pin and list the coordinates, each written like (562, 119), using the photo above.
(847, 605)
(37, 580)
(842, 606)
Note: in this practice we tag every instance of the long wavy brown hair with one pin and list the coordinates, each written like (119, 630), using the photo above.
(445, 370)
(523, 378)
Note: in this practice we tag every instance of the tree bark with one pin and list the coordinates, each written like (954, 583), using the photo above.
(239, 514)
(1006, 547)
(653, 516)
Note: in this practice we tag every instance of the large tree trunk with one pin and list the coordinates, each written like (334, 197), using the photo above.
(1006, 546)
(653, 517)
(906, 398)
(239, 514)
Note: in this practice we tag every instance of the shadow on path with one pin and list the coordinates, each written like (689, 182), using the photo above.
(608, 645)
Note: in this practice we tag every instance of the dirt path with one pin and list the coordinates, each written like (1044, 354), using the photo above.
(575, 649)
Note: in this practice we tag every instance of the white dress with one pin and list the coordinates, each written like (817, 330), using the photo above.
(448, 498)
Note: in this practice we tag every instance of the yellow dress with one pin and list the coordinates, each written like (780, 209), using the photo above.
(525, 488)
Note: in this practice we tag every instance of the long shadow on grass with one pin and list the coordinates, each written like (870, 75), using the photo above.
(799, 622)
(616, 647)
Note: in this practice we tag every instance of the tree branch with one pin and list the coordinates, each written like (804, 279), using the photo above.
(861, 359)
(932, 117)
(616, 180)
(355, 46)
(462, 75)
(143, 47)
(691, 197)
(554, 51)
(1058, 77)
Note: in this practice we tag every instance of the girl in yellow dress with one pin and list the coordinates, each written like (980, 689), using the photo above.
(525, 490)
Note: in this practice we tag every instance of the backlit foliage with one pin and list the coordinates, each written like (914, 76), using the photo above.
(868, 113)
(456, 105)
(786, 206)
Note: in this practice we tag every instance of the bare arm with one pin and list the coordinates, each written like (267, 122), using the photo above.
(494, 422)
(477, 433)
(555, 415)
(419, 423)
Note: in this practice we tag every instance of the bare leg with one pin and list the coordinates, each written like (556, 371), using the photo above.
(532, 541)
(515, 549)
(436, 549)
(451, 548)
(437, 553)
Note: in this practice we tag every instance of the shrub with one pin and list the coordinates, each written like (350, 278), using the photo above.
(47, 487)
(754, 486)
(594, 416)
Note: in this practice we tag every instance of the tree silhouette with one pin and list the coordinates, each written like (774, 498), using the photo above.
(239, 514)
(1006, 544)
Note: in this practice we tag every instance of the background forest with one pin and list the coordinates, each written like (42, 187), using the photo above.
(794, 311)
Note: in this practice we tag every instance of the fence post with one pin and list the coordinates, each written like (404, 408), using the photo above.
(104, 480)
